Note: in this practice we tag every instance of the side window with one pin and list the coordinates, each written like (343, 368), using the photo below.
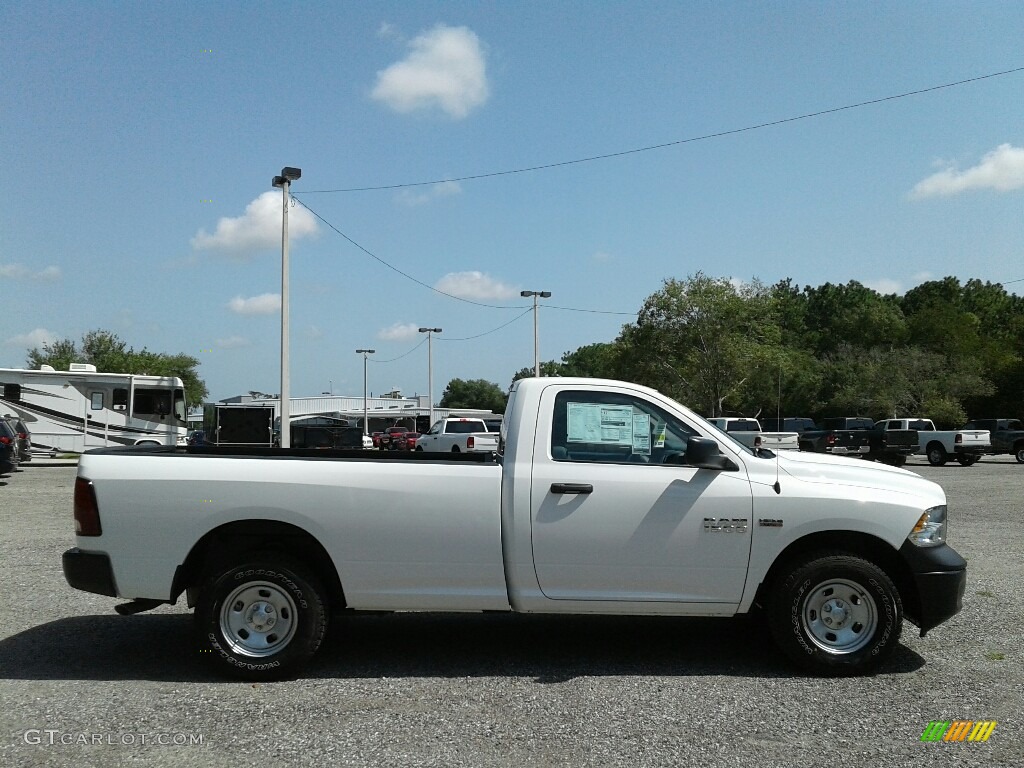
(152, 402)
(120, 400)
(12, 392)
(614, 428)
(96, 401)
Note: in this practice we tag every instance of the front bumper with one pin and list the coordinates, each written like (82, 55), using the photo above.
(89, 572)
(940, 576)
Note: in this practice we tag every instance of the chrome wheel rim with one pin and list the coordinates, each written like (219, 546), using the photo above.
(258, 619)
(839, 616)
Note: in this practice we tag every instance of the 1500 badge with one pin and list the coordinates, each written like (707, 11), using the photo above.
(725, 524)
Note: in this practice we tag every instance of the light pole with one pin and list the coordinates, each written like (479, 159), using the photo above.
(364, 353)
(536, 334)
(430, 368)
(284, 181)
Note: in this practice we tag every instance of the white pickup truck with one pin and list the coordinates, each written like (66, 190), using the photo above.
(606, 498)
(964, 445)
(749, 432)
(458, 435)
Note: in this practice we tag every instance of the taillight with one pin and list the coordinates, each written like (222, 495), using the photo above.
(958, 439)
(831, 439)
(5, 440)
(87, 513)
(470, 442)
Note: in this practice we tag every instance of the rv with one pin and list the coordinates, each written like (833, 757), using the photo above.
(78, 409)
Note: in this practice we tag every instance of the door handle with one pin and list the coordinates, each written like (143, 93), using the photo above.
(572, 488)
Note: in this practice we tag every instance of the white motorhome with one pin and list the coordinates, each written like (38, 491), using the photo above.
(75, 410)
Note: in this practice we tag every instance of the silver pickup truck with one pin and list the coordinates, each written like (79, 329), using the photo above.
(605, 497)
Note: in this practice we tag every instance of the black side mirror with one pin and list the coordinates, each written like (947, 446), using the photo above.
(704, 453)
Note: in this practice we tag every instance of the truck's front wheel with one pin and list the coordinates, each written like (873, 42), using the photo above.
(1018, 452)
(836, 614)
(261, 619)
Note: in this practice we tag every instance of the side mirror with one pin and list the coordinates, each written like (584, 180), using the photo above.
(704, 453)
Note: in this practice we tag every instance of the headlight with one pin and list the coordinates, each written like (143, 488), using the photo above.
(930, 530)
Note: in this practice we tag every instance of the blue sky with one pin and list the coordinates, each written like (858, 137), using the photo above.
(140, 140)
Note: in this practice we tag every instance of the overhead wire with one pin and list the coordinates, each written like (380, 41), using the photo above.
(664, 145)
(406, 275)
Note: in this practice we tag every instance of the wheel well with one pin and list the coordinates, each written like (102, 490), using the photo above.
(234, 539)
(854, 543)
(932, 443)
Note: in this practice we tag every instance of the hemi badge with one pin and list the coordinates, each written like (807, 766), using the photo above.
(768, 522)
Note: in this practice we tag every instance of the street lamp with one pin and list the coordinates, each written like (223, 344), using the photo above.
(288, 175)
(430, 368)
(364, 353)
(536, 336)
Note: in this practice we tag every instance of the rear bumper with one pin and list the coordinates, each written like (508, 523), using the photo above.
(89, 572)
(970, 450)
(940, 576)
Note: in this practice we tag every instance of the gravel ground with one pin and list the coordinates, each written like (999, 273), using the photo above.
(82, 686)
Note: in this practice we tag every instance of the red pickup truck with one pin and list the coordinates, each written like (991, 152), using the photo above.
(387, 438)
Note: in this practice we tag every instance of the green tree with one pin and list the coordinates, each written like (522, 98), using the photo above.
(600, 361)
(112, 355)
(476, 393)
(852, 314)
(705, 341)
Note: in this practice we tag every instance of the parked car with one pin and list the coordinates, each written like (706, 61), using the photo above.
(749, 432)
(842, 437)
(8, 448)
(24, 441)
(405, 441)
(964, 445)
(389, 435)
(197, 437)
(1007, 435)
(375, 439)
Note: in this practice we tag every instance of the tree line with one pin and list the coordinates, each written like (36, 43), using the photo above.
(943, 350)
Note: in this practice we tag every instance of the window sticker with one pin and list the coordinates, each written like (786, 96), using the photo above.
(599, 423)
(659, 434)
(642, 433)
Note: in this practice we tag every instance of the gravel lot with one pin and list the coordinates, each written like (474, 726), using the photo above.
(495, 690)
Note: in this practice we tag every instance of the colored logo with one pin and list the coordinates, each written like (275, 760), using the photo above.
(958, 730)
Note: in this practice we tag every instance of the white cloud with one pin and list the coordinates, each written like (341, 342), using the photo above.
(1002, 169)
(259, 228)
(264, 304)
(33, 339)
(474, 285)
(426, 194)
(233, 342)
(21, 272)
(399, 332)
(445, 68)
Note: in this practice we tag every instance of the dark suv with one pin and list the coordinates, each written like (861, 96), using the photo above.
(8, 448)
(24, 442)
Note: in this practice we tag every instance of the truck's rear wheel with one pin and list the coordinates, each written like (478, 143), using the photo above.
(937, 455)
(261, 619)
(967, 460)
(836, 614)
(1018, 452)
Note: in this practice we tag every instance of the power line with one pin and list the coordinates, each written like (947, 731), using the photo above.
(488, 333)
(405, 354)
(438, 290)
(705, 137)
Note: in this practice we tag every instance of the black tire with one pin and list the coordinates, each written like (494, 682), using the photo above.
(1018, 453)
(967, 460)
(419, 448)
(262, 618)
(808, 597)
(455, 449)
(937, 455)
